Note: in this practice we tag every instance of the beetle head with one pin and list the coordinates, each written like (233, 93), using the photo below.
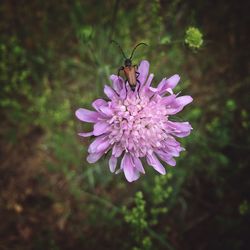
(128, 62)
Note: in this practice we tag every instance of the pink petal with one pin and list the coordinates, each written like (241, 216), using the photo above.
(138, 164)
(173, 110)
(143, 70)
(110, 93)
(127, 165)
(112, 163)
(85, 134)
(149, 80)
(100, 128)
(103, 147)
(136, 174)
(155, 163)
(162, 84)
(106, 111)
(155, 90)
(94, 145)
(99, 103)
(183, 100)
(171, 141)
(172, 81)
(162, 88)
(123, 92)
(178, 104)
(171, 162)
(166, 157)
(86, 115)
(166, 85)
(170, 91)
(180, 129)
(117, 150)
(173, 151)
(168, 99)
(117, 83)
(92, 158)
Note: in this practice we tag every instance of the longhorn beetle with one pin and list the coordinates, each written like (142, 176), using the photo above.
(130, 71)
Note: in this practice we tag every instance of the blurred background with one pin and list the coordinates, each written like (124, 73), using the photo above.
(56, 56)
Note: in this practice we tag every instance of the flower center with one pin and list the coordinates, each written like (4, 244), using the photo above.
(138, 125)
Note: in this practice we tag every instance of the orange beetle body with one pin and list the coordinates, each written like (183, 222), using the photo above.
(131, 75)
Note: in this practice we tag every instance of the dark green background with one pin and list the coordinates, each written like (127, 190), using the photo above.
(56, 56)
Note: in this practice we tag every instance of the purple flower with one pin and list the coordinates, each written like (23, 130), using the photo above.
(135, 126)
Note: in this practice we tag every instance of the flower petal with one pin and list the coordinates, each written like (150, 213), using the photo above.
(112, 163)
(92, 158)
(162, 84)
(180, 129)
(155, 90)
(172, 150)
(183, 100)
(171, 141)
(117, 83)
(123, 92)
(138, 164)
(110, 93)
(99, 103)
(166, 85)
(130, 172)
(178, 104)
(172, 81)
(117, 150)
(107, 111)
(100, 128)
(149, 80)
(86, 134)
(86, 115)
(171, 162)
(93, 147)
(103, 147)
(167, 99)
(127, 167)
(155, 163)
(136, 174)
(143, 70)
(166, 157)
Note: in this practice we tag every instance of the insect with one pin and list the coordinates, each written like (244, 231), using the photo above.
(130, 71)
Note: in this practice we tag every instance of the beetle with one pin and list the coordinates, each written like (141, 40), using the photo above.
(130, 71)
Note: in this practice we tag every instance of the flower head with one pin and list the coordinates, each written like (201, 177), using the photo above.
(194, 38)
(136, 125)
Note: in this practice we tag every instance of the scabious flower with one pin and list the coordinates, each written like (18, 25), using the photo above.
(137, 125)
(194, 38)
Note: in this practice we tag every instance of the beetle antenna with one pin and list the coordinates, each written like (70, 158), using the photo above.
(119, 46)
(139, 44)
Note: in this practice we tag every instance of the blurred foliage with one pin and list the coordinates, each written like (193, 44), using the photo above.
(14, 79)
(137, 218)
(57, 56)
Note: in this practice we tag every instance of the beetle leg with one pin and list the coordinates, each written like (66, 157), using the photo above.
(137, 73)
(115, 91)
(119, 70)
(139, 86)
